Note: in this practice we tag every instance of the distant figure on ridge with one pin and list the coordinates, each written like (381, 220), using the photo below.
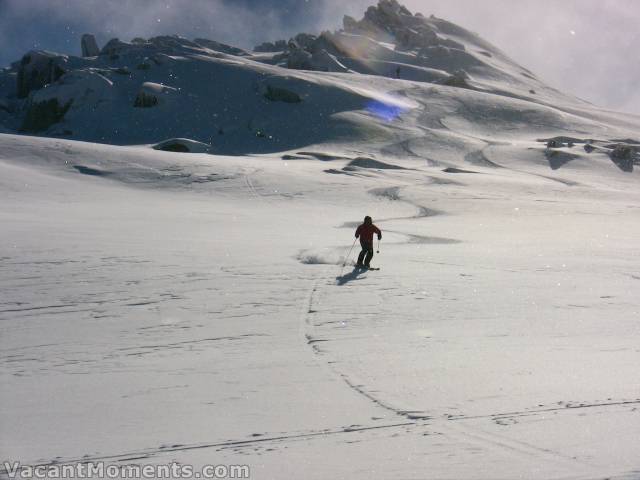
(365, 233)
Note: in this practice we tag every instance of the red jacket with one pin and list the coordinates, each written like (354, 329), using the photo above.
(365, 232)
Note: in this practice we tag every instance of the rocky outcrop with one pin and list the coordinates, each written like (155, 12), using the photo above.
(221, 47)
(305, 41)
(298, 59)
(114, 48)
(41, 115)
(623, 156)
(37, 69)
(48, 106)
(325, 62)
(151, 94)
(278, 46)
(389, 18)
(170, 42)
(278, 94)
(89, 46)
(145, 100)
(182, 145)
(349, 24)
(459, 79)
(389, 22)
(410, 38)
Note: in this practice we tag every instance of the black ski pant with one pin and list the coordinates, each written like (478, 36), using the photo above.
(366, 254)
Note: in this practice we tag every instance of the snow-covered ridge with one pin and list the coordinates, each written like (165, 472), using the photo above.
(389, 78)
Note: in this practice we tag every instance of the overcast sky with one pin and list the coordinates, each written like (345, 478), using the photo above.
(585, 47)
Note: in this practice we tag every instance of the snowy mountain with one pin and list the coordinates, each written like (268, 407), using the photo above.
(177, 248)
(391, 80)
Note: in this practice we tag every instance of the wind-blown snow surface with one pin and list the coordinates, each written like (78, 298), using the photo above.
(161, 306)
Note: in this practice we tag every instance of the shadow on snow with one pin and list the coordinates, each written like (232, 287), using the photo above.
(350, 276)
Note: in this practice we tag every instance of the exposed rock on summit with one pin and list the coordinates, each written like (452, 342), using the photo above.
(89, 46)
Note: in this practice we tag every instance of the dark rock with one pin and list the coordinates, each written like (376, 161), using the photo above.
(94, 172)
(151, 94)
(89, 46)
(277, 94)
(220, 47)
(37, 69)
(349, 24)
(409, 38)
(299, 59)
(182, 145)
(623, 156)
(326, 41)
(42, 115)
(305, 41)
(265, 47)
(389, 18)
(172, 42)
(174, 147)
(114, 48)
(145, 100)
(458, 79)
(278, 46)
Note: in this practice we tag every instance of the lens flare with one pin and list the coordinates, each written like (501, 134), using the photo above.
(385, 111)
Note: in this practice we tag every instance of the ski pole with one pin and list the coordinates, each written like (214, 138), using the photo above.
(349, 254)
(378, 250)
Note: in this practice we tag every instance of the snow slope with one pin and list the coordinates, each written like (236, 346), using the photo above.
(162, 306)
(159, 306)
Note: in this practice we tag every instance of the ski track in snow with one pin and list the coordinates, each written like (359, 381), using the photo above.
(173, 285)
(453, 425)
(446, 423)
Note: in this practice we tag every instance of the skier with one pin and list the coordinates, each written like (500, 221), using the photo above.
(365, 233)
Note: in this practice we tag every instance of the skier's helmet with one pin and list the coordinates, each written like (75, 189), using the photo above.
(367, 220)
